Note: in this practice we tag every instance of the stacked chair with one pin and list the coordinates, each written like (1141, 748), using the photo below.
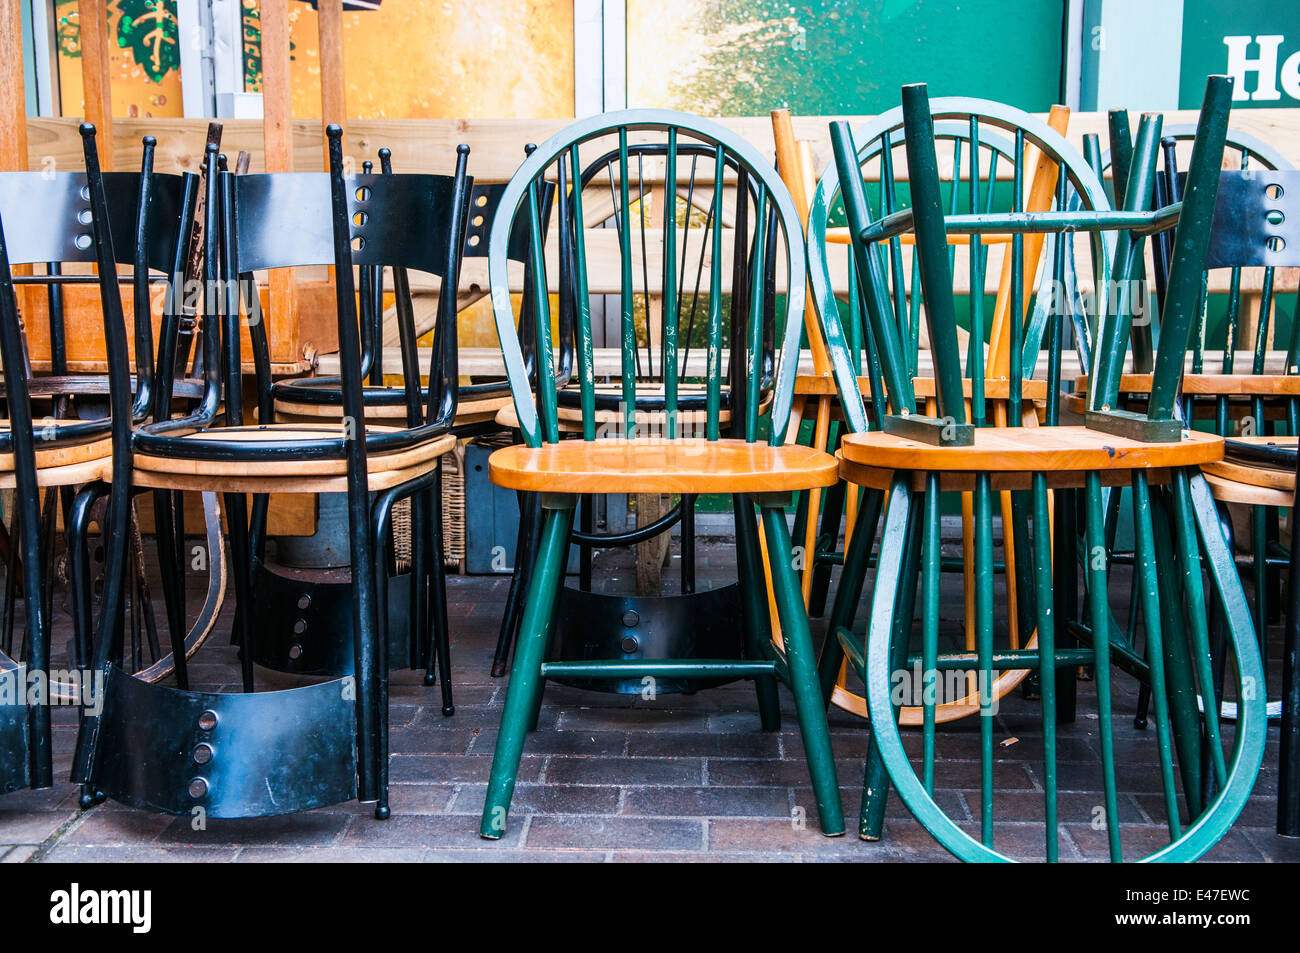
(907, 457)
(259, 753)
(106, 219)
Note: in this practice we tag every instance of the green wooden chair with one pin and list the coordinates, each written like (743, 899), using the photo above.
(686, 455)
(912, 457)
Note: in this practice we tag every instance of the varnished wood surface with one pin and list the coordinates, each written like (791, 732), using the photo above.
(63, 475)
(377, 480)
(61, 456)
(1006, 449)
(661, 466)
(289, 411)
(288, 469)
(1287, 385)
(964, 482)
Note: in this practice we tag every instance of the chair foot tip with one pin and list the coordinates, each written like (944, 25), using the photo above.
(86, 801)
(448, 711)
(498, 671)
(430, 680)
(383, 813)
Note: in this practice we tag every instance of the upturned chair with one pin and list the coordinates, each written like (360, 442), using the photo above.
(62, 217)
(992, 160)
(754, 464)
(914, 456)
(261, 753)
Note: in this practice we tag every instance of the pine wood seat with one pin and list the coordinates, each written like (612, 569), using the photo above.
(284, 474)
(814, 385)
(661, 466)
(1214, 385)
(1029, 449)
(52, 457)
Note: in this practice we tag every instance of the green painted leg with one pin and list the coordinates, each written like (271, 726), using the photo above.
(1065, 595)
(1099, 613)
(984, 647)
(1046, 623)
(1184, 712)
(809, 704)
(1189, 561)
(1148, 589)
(526, 673)
(753, 595)
(849, 592)
(902, 592)
(931, 572)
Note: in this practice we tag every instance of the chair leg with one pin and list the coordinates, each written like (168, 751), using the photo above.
(1098, 573)
(173, 601)
(1146, 571)
(1288, 782)
(757, 622)
(83, 630)
(420, 646)
(1065, 596)
(526, 672)
(884, 623)
(380, 531)
(240, 557)
(525, 557)
(810, 706)
(1045, 621)
(849, 592)
(438, 594)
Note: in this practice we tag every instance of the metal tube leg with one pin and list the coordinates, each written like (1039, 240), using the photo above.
(237, 527)
(526, 672)
(810, 707)
(165, 527)
(875, 779)
(377, 762)
(438, 596)
(420, 648)
(753, 595)
(984, 645)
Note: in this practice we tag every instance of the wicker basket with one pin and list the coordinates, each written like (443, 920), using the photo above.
(453, 515)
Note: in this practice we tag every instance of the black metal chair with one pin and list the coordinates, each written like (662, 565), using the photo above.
(263, 753)
(61, 217)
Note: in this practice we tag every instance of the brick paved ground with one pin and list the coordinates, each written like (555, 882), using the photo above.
(607, 778)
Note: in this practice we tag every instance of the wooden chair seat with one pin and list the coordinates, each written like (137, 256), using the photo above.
(71, 455)
(1237, 481)
(1211, 385)
(467, 411)
(283, 473)
(1029, 449)
(661, 466)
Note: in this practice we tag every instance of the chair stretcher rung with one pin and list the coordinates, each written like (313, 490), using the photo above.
(663, 668)
(1004, 661)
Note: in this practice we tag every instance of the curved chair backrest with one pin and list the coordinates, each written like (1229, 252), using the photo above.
(752, 199)
(148, 212)
(992, 177)
(403, 221)
(92, 211)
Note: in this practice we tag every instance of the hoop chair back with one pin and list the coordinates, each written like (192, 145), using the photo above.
(770, 226)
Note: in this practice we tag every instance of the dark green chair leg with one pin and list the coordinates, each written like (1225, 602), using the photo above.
(907, 551)
(758, 627)
(810, 707)
(1098, 574)
(849, 592)
(526, 672)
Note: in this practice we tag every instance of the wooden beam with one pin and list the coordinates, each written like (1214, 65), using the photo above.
(13, 100)
(277, 144)
(95, 76)
(333, 90)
